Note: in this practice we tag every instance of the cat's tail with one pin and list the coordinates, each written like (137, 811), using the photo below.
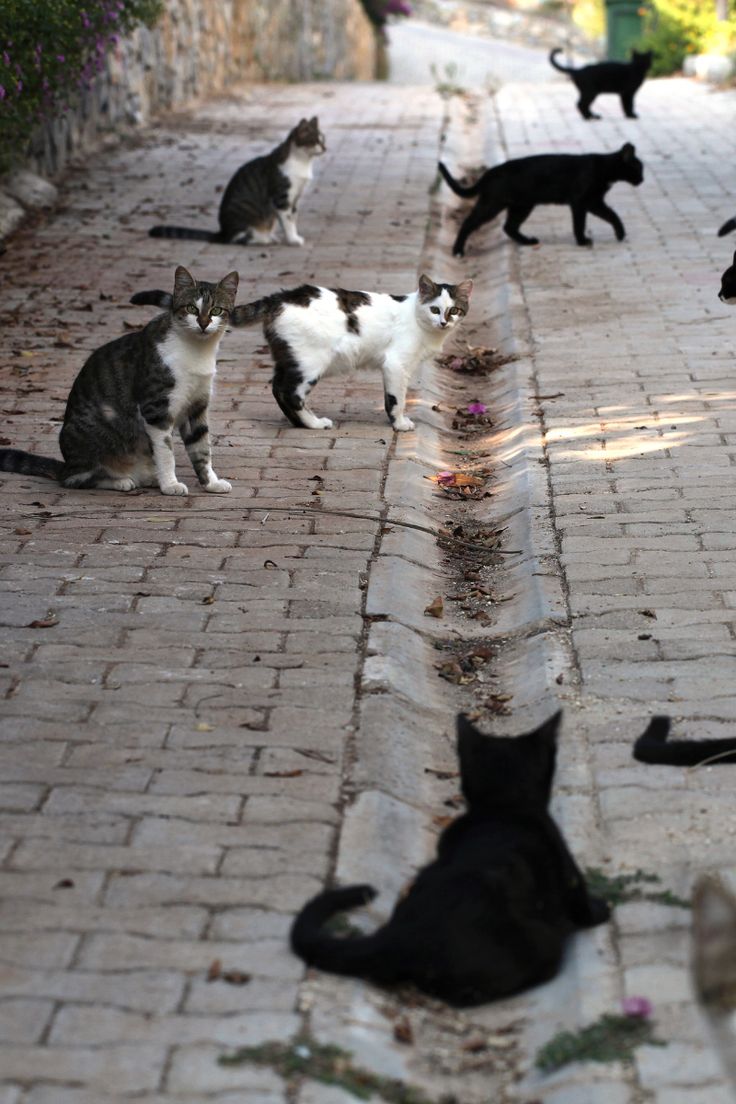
(459, 189)
(248, 313)
(357, 956)
(27, 463)
(727, 227)
(556, 65)
(244, 315)
(184, 232)
(156, 298)
(654, 747)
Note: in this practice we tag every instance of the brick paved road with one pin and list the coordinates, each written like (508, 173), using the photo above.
(151, 738)
(629, 363)
(174, 749)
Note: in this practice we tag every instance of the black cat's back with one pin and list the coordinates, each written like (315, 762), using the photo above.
(490, 915)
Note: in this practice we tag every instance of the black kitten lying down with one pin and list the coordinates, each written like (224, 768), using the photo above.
(490, 916)
(654, 747)
(727, 294)
(579, 180)
(622, 77)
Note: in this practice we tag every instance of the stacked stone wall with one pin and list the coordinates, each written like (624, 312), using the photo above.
(201, 47)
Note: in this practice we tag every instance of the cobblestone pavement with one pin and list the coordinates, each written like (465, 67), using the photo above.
(627, 367)
(239, 700)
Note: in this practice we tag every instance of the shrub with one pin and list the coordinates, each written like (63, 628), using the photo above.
(675, 28)
(49, 51)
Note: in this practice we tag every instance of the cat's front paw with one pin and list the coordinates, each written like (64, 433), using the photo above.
(295, 239)
(402, 424)
(125, 485)
(218, 486)
(585, 241)
(322, 423)
(458, 251)
(175, 489)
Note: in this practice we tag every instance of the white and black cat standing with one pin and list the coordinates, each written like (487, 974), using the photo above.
(312, 331)
(263, 192)
(131, 395)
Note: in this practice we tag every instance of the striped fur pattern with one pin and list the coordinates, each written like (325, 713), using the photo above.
(314, 331)
(714, 964)
(132, 393)
(261, 200)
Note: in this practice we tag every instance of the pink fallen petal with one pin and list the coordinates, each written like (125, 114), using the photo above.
(637, 1006)
(445, 477)
(456, 364)
(477, 408)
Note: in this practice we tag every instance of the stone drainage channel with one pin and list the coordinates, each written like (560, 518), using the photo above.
(499, 650)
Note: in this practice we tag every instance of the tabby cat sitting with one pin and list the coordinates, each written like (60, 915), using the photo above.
(312, 331)
(622, 77)
(491, 915)
(579, 180)
(263, 191)
(132, 393)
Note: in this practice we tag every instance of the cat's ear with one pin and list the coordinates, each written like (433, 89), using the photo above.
(229, 284)
(470, 742)
(547, 732)
(427, 288)
(628, 152)
(183, 280)
(463, 290)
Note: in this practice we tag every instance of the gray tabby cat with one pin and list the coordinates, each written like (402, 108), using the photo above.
(315, 331)
(263, 191)
(133, 392)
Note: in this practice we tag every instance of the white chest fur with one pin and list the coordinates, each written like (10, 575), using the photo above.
(298, 170)
(192, 362)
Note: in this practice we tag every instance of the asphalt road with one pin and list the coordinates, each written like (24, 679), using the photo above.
(415, 47)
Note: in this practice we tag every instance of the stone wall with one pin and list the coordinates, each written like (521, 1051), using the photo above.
(200, 47)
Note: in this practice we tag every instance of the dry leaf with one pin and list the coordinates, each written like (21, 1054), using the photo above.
(236, 977)
(46, 622)
(435, 608)
(208, 601)
(204, 727)
(403, 1031)
(215, 970)
(283, 774)
(19, 532)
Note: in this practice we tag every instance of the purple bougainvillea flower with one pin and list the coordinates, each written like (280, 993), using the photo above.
(398, 7)
(637, 1006)
(477, 408)
(2, 93)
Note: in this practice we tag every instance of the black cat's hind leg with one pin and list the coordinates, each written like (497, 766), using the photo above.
(603, 211)
(584, 105)
(579, 214)
(480, 214)
(518, 213)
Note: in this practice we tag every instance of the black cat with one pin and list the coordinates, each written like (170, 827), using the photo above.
(654, 747)
(727, 294)
(490, 916)
(579, 180)
(622, 77)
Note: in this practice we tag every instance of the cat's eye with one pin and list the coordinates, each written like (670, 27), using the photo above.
(191, 309)
(435, 310)
(215, 312)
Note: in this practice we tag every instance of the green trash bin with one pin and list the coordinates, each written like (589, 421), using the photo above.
(623, 27)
